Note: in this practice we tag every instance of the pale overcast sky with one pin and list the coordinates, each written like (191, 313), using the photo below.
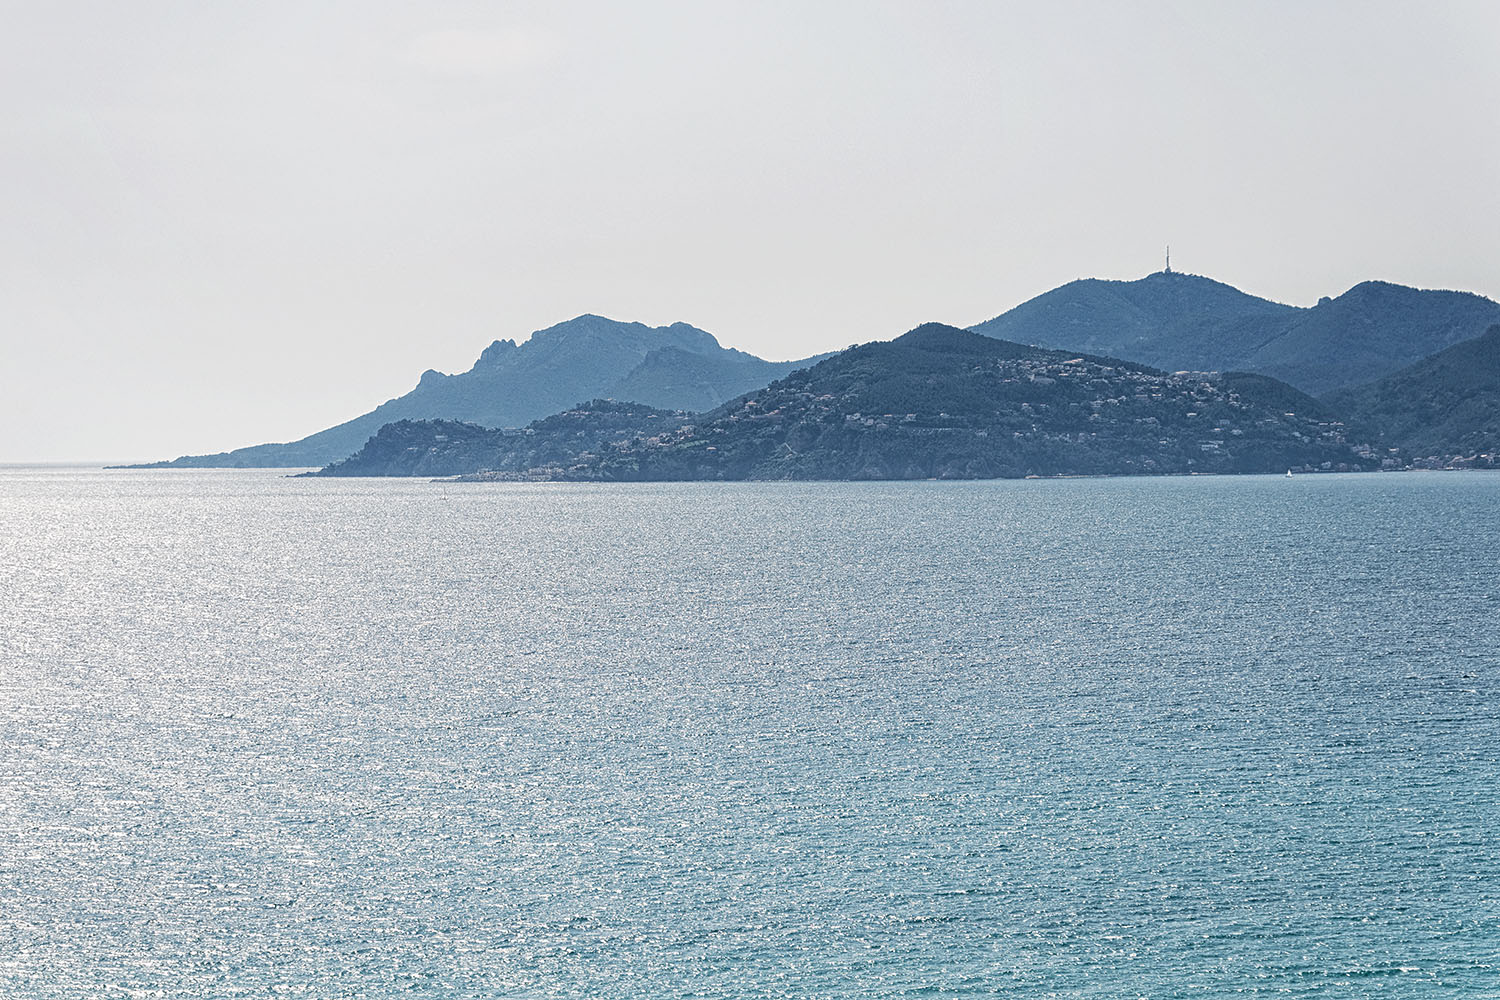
(229, 223)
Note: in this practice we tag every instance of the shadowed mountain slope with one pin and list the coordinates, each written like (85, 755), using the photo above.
(1372, 330)
(1443, 406)
(938, 402)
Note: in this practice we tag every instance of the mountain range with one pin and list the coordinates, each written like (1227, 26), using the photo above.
(1180, 321)
(676, 367)
(937, 402)
(1168, 320)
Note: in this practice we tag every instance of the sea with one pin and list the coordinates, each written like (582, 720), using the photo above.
(1118, 738)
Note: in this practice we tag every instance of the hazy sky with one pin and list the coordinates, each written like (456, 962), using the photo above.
(228, 223)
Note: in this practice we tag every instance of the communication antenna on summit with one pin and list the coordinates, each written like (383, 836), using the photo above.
(1169, 258)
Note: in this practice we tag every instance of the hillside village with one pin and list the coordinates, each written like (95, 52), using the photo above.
(1036, 413)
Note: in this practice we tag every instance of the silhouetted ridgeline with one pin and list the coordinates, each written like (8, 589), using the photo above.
(937, 402)
(1183, 321)
(676, 367)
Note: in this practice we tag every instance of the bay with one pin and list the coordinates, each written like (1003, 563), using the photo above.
(1119, 737)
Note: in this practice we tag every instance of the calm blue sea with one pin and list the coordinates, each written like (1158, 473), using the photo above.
(1204, 737)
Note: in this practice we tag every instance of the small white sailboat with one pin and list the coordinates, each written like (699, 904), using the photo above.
(1289, 473)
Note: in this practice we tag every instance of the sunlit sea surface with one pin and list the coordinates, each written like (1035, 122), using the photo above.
(1197, 737)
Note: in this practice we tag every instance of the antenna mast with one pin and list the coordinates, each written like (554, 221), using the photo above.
(1169, 258)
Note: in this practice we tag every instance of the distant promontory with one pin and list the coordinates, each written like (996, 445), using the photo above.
(1380, 376)
(938, 402)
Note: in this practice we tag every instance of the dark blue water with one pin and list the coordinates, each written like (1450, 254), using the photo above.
(1105, 738)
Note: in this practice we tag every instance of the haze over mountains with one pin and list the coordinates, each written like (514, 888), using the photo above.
(1168, 320)
(674, 367)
